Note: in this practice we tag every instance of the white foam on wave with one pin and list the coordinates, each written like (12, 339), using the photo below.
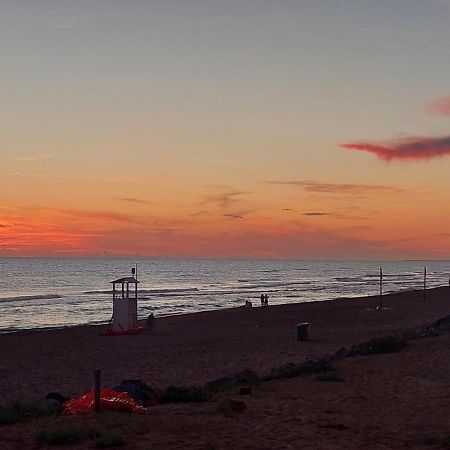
(30, 297)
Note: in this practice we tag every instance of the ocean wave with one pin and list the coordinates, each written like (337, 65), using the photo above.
(167, 307)
(30, 297)
(147, 291)
(349, 279)
(392, 275)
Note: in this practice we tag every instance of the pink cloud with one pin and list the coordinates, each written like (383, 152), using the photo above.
(414, 148)
(440, 106)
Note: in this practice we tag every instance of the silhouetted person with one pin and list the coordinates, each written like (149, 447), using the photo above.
(266, 300)
(262, 299)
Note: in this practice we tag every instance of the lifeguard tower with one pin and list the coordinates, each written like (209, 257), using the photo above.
(125, 294)
(124, 319)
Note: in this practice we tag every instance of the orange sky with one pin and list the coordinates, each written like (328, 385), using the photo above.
(199, 130)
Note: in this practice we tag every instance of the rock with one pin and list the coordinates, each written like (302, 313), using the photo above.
(320, 359)
(232, 381)
(441, 325)
(139, 391)
(56, 396)
(248, 376)
(291, 370)
(245, 390)
(226, 383)
(341, 353)
(231, 406)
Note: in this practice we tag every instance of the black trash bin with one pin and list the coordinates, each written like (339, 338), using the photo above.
(303, 331)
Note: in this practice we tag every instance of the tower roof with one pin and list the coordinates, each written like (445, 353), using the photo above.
(131, 280)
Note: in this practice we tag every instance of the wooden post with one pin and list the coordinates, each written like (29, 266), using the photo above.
(424, 283)
(97, 388)
(380, 303)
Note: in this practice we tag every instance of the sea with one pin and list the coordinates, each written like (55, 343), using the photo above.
(59, 292)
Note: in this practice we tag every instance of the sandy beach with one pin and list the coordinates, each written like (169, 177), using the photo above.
(386, 401)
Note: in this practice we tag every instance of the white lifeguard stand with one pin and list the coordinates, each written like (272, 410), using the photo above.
(125, 294)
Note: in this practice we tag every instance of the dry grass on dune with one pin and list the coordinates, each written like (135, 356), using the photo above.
(386, 401)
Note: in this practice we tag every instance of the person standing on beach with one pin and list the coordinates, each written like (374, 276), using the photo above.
(266, 300)
(262, 299)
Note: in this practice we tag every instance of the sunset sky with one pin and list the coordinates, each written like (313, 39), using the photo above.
(223, 129)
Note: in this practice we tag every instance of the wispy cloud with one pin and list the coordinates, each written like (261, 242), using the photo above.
(225, 199)
(233, 216)
(133, 200)
(336, 188)
(31, 158)
(315, 213)
(440, 106)
(413, 148)
(201, 213)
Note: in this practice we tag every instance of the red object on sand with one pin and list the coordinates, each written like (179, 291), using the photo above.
(109, 399)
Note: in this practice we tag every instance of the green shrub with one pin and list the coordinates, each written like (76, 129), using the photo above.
(329, 375)
(109, 440)
(375, 346)
(442, 441)
(294, 370)
(56, 436)
(192, 394)
(19, 410)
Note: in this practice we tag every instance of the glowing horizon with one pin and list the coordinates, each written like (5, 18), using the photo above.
(304, 131)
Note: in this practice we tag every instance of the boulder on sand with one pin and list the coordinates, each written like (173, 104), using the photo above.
(143, 394)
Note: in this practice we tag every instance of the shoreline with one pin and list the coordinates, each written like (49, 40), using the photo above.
(256, 298)
(195, 348)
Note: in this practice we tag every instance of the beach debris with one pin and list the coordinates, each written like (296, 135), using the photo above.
(56, 396)
(109, 399)
(230, 406)
(303, 331)
(138, 391)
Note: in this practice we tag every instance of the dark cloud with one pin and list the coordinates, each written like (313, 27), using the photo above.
(413, 148)
(336, 188)
(315, 213)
